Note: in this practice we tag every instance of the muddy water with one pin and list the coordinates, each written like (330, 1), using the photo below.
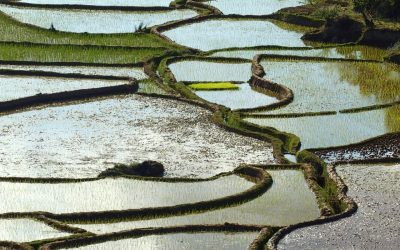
(332, 86)
(347, 52)
(218, 34)
(24, 230)
(136, 73)
(244, 97)
(206, 241)
(92, 21)
(81, 140)
(121, 194)
(288, 201)
(253, 7)
(375, 188)
(337, 130)
(15, 87)
(104, 2)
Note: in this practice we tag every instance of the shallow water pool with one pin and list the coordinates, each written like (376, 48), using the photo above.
(218, 34)
(93, 21)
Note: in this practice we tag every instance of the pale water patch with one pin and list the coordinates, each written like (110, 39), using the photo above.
(144, 3)
(136, 73)
(291, 158)
(206, 241)
(112, 194)
(245, 97)
(253, 7)
(333, 86)
(288, 201)
(358, 52)
(83, 139)
(192, 70)
(336, 130)
(218, 34)
(93, 21)
(24, 230)
(375, 189)
(15, 87)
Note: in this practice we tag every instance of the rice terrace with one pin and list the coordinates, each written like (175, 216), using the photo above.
(199, 124)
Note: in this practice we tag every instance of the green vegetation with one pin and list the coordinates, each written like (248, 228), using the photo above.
(328, 194)
(214, 86)
(330, 12)
(12, 30)
(379, 8)
(75, 53)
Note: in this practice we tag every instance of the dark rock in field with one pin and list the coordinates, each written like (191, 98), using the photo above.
(382, 37)
(339, 30)
(146, 169)
(394, 58)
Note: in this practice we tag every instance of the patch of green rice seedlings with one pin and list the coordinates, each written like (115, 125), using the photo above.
(214, 86)
(72, 53)
(12, 30)
(149, 87)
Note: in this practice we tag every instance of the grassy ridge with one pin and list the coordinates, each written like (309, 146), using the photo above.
(73, 53)
(12, 30)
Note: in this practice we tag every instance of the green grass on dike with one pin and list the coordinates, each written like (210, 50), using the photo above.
(75, 53)
(12, 30)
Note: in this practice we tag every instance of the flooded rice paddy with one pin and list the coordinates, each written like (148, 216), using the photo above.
(333, 86)
(358, 52)
(93, 21)
(83, 139)
(343, 129)
(121, 194)
(146, 3)
(15, 87)
(219, 34)
(375, 188)
(289, 187)
(24, 230)
(245, 97)
(253, 7)
(206, 241)
(136, 73)
(195, 71)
